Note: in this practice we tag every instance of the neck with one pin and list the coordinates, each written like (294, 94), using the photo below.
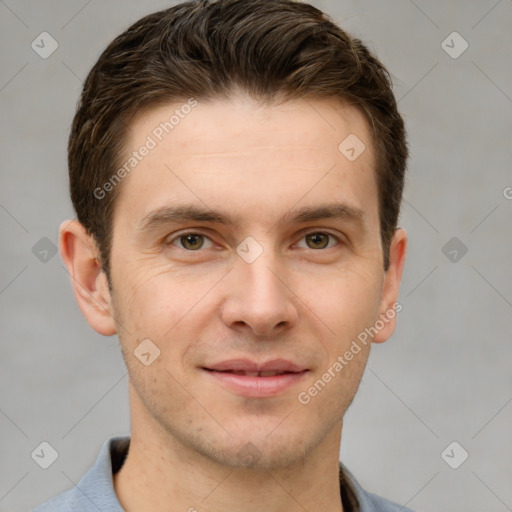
(162, 474)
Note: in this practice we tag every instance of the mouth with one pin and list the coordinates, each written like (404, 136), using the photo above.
(268, 373)
(254, 383)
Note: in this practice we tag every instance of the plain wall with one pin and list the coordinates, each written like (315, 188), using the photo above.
(444, 376)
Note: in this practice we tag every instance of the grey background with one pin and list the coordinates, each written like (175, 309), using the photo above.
(444, 376)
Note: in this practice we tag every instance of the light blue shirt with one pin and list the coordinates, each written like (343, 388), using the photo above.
(95, 491)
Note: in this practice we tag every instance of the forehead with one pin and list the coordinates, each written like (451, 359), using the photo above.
(253, 155)
(243, 120)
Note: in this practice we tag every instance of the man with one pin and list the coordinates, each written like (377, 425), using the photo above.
(237, 170)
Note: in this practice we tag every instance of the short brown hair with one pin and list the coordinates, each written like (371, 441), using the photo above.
(274, 50)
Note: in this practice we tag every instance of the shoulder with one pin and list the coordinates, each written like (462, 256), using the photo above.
(367, 501)
(95, 491)
(379, 504)
(64, 502)
(76, 500)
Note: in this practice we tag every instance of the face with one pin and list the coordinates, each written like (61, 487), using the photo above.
(285, 263)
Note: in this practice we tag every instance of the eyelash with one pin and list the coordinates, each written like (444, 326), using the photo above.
(314, 232)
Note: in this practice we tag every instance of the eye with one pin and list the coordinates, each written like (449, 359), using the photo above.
(190, 241)
(319, 240)
(193, 241)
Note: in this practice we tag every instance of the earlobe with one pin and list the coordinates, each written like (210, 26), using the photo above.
(389, 306)
(81, 257)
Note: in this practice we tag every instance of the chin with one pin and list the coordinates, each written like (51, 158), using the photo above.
(262, 453)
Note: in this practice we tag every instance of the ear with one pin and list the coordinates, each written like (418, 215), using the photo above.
(389, 307)
(81, 256)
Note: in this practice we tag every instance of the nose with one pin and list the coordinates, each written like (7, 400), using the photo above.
(258, 297)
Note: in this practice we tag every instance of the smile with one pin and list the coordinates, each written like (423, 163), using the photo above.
(256, 384)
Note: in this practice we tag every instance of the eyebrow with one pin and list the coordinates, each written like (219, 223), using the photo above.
(180, 214)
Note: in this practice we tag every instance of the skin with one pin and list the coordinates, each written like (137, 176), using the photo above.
(301, 299)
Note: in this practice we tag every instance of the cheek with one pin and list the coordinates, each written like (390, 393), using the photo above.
(151, 299)
(346, 300)
(156, 304)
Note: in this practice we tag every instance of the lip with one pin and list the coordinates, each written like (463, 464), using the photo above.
(253, 366)
(256, 387)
